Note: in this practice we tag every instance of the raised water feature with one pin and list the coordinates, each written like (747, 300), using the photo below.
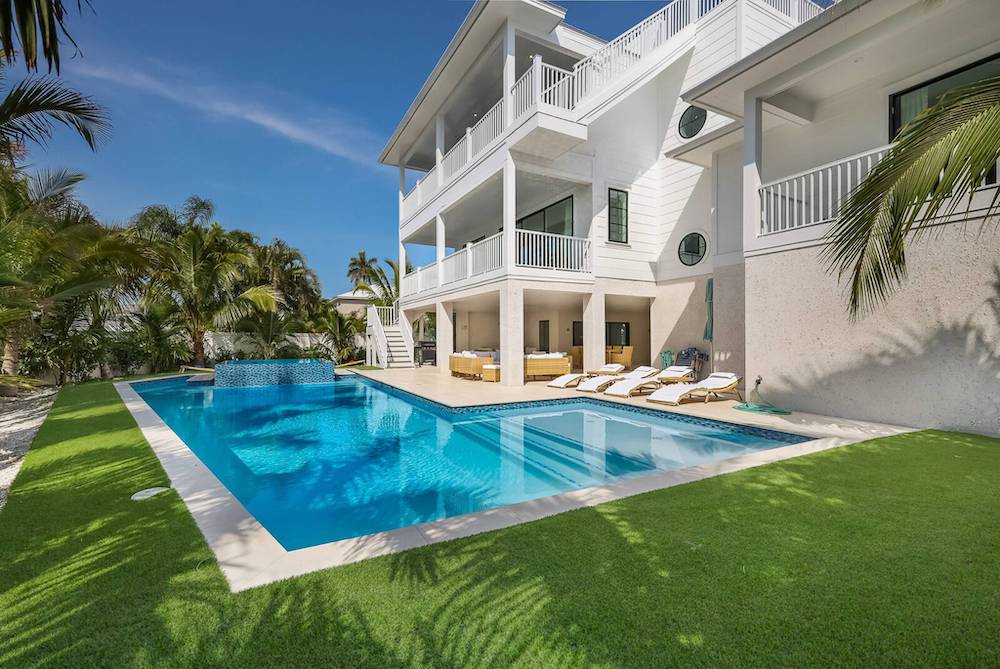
(246, 373)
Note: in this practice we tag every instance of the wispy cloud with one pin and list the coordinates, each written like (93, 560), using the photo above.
(326, 130)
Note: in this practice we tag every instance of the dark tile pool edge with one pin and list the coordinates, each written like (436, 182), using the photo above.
(659, 414)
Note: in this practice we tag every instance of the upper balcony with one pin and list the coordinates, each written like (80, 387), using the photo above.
(558, 256)
(540, 113)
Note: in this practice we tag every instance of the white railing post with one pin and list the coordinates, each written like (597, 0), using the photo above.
(794, 11)
(536, 84)
(468, 261)
(468, 145)
(693, 11)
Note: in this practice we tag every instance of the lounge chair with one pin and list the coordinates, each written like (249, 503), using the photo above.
(630, 387)
(570, 380)
(714, 385)
(596, 384)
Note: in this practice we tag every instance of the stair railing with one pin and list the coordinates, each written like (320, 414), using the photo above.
(377, 336)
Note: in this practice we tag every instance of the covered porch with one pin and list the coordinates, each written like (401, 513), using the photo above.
(524, 326)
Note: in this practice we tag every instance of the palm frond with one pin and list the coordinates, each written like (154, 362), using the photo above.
(31, 110)
(938, 162)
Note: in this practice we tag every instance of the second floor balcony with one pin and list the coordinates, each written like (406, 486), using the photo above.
(534, 254)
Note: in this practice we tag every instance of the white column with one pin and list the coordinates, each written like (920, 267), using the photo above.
(593, 330)
(511, 334)
(402, 258)
(509, 212)
(439, 239)
(445, 343)
(508, 73)
(402, 189)
(752, 143)
(439, 146)
(536, 79)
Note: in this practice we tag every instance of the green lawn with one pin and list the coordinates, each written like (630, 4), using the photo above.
(883, 553)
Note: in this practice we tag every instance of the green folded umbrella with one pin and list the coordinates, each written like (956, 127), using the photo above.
(710, 321)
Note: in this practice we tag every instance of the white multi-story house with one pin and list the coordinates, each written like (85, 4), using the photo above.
(817, 108)
(557, 219)
(579, 193)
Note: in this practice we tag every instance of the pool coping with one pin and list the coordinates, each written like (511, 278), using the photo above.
(249, 556)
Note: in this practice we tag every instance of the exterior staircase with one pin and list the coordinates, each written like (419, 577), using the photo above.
(388, 341)
(400, 355)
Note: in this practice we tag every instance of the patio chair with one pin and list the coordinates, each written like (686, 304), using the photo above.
(630, 387)
(596, 384)
(570, 380)
(715, 385)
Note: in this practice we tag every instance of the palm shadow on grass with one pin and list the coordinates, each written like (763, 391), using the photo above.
(880, 553)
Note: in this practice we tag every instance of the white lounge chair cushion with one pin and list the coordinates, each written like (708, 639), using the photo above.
(625, 387)
(610, 368)
(595, 383)
(676, 371)
(491, 366)
(673, 393)
(566, 380)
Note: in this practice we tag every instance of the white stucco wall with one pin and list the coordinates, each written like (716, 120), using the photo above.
(930, 358)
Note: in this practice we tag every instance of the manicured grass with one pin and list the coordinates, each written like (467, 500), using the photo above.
(885, 553)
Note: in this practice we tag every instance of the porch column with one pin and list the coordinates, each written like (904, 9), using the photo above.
(445, 341)
(440, 247)
(402, 188)
(402, 259)
(508, 73)
(439, 145)
(509, 213)
(511, 334)
(752, 164)
(593, 331)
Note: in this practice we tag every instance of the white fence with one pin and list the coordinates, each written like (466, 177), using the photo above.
(814, 196)
(489, 127)
(486, 256)
(543, 250)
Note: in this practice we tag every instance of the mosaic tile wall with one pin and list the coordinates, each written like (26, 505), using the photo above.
(243, 373)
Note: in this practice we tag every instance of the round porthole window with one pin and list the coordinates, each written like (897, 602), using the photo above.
(692, 249)
(692, 121)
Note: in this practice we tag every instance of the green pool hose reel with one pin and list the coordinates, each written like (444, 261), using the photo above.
(756, 404)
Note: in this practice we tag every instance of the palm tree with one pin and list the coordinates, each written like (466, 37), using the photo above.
(939, 159)
(31, 110)
(159, 328)
(360, 269)
(284, 268)
(57, 251)
(383, 290)
(269, 334)
(35, 23)
(200, 272)
(341, 331)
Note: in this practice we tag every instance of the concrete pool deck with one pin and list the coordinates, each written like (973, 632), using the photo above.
(249, 556)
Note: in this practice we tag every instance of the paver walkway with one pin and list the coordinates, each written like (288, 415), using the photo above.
(20, 418)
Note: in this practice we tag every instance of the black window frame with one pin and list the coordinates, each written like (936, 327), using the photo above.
(894, 98)
(680, 122)
(680, 246)
(627, 332)
(572, 216)
(625, 210)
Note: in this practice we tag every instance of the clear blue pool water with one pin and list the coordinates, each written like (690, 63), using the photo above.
(322, 462)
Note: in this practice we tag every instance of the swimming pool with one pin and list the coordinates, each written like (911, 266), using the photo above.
(322, 462)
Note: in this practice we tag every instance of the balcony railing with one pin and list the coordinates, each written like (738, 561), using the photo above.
(814, 196)
(543, 250)
(534, 250)
(565, 90)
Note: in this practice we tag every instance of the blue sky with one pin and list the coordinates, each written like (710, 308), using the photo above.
(276, 116)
